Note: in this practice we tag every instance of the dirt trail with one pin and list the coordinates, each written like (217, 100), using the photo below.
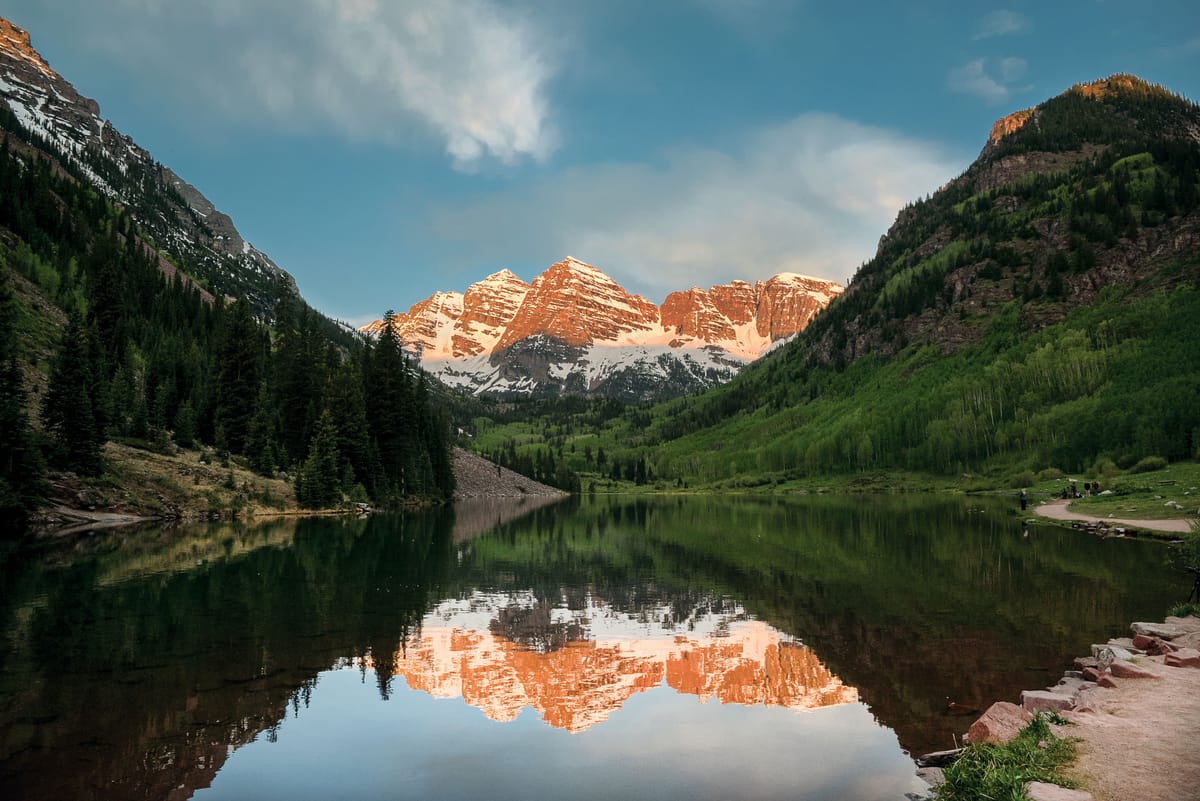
(1139, 738)
(1057, 510)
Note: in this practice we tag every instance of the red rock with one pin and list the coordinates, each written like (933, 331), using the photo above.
(1008, 125)
(1091, 673)
(1184, 657)
(1127, 670)
(1046, 701)
(1000, 723)
(1143, 642)
(578, 304)
(1041, 791)
(1106, 681)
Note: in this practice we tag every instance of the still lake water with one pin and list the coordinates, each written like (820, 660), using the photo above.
(610, 648)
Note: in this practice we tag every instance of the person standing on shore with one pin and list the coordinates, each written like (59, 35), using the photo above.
(1024, 500)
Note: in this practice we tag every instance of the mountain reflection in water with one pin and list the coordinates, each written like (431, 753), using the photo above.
(502, 653)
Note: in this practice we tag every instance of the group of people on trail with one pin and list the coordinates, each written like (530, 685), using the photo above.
(1089, 488)
(1069, 491)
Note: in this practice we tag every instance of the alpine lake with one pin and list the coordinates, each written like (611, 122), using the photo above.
(595, 648)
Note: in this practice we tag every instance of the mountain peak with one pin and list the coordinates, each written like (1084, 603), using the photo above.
(1116, 84)
(1102, 112)
(15, 42)
(505, 276)
(573, 265)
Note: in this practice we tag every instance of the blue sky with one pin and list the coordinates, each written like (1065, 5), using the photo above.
(381, 150)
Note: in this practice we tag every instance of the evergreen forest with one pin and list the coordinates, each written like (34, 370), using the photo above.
(105, 337)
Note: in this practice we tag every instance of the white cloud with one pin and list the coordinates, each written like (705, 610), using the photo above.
(993, 85)
(810, 196)
(1000, 23)
(469, 72)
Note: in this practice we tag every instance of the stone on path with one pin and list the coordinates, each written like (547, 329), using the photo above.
(1000, 723)
(1127, 670)
(1106, 681)
(1117, 651)
(934, 777)
(1153, 645)
(1041, 791)
(1045, 701)
(1164, 631)
(1092, 673)
(1184, 657)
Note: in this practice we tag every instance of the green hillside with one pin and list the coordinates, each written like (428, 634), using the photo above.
(1041, 310)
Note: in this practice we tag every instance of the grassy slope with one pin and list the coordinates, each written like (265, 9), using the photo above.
(185, 484)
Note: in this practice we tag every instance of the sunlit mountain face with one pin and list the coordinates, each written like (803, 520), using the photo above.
(576, 664)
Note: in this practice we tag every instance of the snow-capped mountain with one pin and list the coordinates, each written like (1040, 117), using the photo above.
(575, 330)
(56, 118)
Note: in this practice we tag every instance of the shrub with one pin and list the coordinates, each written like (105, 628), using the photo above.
(1022, 480)
(1049, 474)
(1105, 468)
(1185, 610)
(1149, 464)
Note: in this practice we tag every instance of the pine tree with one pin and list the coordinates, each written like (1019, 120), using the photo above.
(318, 486)
(68, 411)
(185, 425)
(347, 396)
(389, 411)
(239, 373)
(261, 446)
(20, 465)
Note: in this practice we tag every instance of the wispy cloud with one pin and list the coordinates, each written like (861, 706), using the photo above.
(471, 73)
(989, 79)
(810, 196)
(1000, 23)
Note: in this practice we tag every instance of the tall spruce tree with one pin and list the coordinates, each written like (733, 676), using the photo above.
(20, 462)
(239, 373)
(68, 410)
(319, 485)
(389, 411)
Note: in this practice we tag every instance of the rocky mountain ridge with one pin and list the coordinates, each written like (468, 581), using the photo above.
(49, 112)
(575, 330)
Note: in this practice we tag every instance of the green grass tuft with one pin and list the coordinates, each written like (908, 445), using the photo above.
(1185, 609)
(1001, 772)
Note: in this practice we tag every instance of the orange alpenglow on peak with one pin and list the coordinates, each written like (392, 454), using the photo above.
(574, 320)
(15, 41)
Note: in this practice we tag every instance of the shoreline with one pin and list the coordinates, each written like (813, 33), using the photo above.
(1133, 721)
(1057, 510)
